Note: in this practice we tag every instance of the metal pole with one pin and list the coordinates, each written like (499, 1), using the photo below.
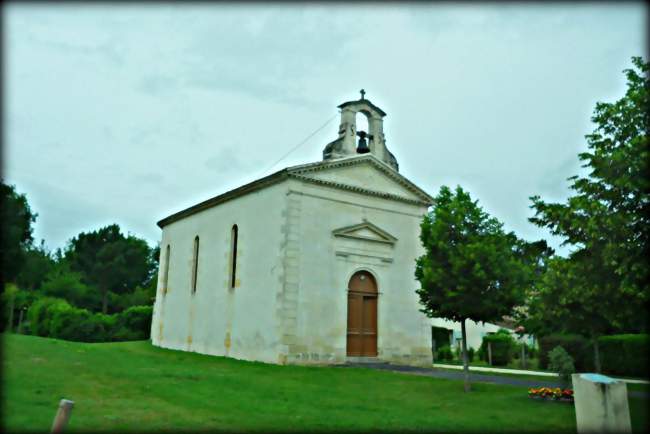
(62, 416)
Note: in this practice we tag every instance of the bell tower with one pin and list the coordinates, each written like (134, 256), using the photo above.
(372, 141)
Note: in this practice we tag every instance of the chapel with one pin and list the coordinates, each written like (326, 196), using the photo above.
(313, 264)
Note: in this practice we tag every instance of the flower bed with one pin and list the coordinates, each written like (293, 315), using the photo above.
(551, 394)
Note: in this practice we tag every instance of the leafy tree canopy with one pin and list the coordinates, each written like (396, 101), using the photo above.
(603, 285)
(110, 261)
(607, 218)
(16, 231)
(472, 268)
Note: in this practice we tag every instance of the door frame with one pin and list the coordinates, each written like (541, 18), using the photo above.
(363, 295)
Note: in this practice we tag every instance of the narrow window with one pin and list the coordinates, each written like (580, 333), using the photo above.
(166, 271)
(233, 255)
(195, 263)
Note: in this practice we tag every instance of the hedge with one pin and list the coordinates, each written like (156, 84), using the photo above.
(578, 347)
(625, 355)
(502, 345)
(56, 318)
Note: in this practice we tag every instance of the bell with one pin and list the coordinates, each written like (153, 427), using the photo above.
(362, 147)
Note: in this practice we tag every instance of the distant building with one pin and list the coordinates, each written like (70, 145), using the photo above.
(312, 264)
(475, 333)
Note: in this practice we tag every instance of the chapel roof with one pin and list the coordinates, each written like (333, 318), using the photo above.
(299, 172)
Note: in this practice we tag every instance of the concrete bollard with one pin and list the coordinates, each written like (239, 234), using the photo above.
(600, 404)
(62, 416)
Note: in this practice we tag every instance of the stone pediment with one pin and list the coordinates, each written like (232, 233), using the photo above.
(365, 231)
(365, 174)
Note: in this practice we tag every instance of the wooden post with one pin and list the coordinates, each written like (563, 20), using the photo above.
(19, 330)
(62, 416)
(490, 353)
(10, 323)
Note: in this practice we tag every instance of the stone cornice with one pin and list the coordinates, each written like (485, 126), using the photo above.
(369, 159)
(359, 190)
(349, 232)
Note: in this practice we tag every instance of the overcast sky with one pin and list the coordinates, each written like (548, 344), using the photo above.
(128, 113)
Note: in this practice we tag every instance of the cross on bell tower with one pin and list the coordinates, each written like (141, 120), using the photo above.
(363, 93)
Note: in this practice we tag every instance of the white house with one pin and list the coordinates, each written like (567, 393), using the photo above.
(475, 332)
(312, 264)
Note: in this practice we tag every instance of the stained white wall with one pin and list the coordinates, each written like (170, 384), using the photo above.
(290, 303)
(403, 332)
(239, 322)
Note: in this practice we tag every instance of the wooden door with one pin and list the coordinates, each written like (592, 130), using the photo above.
(362, 315)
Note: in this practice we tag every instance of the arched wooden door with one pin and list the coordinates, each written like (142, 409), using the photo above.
(362, 315)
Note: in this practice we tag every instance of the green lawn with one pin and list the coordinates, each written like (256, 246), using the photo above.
(133, 385)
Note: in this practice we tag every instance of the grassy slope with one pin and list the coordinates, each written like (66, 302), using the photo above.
(133, 385)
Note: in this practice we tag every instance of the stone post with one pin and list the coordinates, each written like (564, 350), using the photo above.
(600, 404)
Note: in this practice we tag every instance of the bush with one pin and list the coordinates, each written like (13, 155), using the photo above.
(625, 354)
(444, 354)
(40, 314)
(503, 348)
(561, 362)
(69, 323)
(138, 297)
(470, 354)
(579, 348)
(56, 318)
(134, 323)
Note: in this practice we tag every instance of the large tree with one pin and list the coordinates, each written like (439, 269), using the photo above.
(16, 218)
(110, 261)
(607, 218)
(36, 267)
(472, 268)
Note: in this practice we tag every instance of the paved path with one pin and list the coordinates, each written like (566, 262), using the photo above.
(454, 375)
(523, 372)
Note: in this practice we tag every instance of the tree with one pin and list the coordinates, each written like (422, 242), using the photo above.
(38, 263)
(472, 269)
(15, 233)
(61, 282)
(606, 220)
(110, 261)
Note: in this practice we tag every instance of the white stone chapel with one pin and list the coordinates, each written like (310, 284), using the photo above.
(313, 264)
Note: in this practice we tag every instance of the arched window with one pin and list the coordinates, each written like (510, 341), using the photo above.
(233, 255)
(166, 271)
(195, 263)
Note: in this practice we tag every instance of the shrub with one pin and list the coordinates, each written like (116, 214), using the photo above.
(625, 354)
(470, 354)
(40, 314)
(444, 353)
(503, 347)
(577, 346)
(561, 362)
(134, 323)
(138, 297)
(69, 323)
